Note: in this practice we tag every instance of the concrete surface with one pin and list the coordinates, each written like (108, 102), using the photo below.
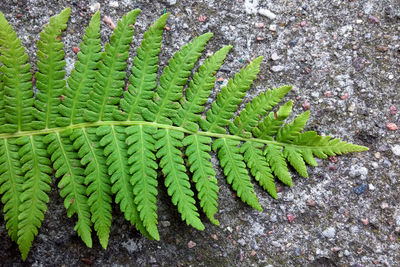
(343, 58)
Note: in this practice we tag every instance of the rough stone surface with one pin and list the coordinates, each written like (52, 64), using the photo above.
(334, 50)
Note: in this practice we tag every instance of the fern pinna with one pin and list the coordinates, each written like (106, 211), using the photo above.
(108, 143)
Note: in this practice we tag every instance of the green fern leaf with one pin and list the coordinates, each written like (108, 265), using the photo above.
(295, 158)
(277, 162)
(229, 98)
(115, 149)
(86, 142)
(259, 168)
(143, 168)
(66, 163)
(197, 151)
(82, 78)
(50, 75)
(2, 112)
(109, 84)
(17, 78)
(290, 131)
(199, 90)
(11, 179)
(172, 80)
(176, 180)
(324, 146)
(143, 79)
(235, 170)
(255, 110)
(36, 168)
(273, 122)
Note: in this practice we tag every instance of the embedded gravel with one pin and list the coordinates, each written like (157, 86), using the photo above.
(343, 59)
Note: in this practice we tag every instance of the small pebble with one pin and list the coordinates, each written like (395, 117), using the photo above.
(374, 19)
(328, 94)
(214, 236)
(259, 25)
(94, 7)
(265, 12)
(191, 244)
(171, 2)
(241, 242)
(335, 249)
(277, 68)
(391, 126)
(382, 48)
(76, 49)
(384, 205)
(393, 110)
(259, 38)
(352, 107)
(109, 22)
(202, 18)
(377, 155)
(311, 202)
(364, 221)
(360, 189)
(391, 76)
(358, 21)
(290, 217)
(396, 150)
(275, 56)
(272, 27)
(253, 253)
(329, 232)
(19, 16)
(371, 187)
(303, 23)
(306, 105)
(345, 96)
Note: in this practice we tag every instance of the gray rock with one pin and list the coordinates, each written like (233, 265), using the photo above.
(277, 68)
(329, 232)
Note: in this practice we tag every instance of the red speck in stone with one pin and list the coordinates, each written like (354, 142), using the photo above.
(333, 159)
(374, 19)
(202, 18)
(331, 167)
(191, 244)
(328, 94)
(279, 188)
(290, 217)
(76, 49)
(365, 221)
(61, 98)
(306, 105)
(391, 238)
(167, 28)
(303, 23)
(19, 16)
(308, 70)
(259, 25)
(109, 22)
(393, 110)
(298, 97)
(391, 126)
(345, 96)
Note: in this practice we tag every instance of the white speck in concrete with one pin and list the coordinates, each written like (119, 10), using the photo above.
(329, 232)
(265, 12)
(396, 150)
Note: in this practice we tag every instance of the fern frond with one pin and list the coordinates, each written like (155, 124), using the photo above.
(173, 79)
(278, 164)
(17, 78)
(235, 170)
(143, 170)
(72, 185)
(295, 158)
(2, 112)
(197, 151)
(273, 122)
(37, 170)
(290, 131)
(324, 146)
(82, 77)
(109, 85)
(229, 98)
(143, 79)
(255, 110)
(176, 180)
(115, 149)
(199, 90)
(259, 168)
(50, 75)
(86, 142)
(11, 180)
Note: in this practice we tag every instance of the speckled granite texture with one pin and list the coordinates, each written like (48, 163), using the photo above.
(343, 58)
